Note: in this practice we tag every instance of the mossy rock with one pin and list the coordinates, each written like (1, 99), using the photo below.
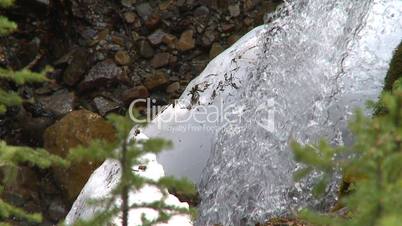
(76, 128)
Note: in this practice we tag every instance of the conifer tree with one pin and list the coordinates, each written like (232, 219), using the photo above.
(12, 156)
(128, 152)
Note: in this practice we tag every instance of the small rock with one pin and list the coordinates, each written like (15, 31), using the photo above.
(156, 37)
(103, 73)
(60, 103)
(102, 35)
(215, 50)
(228, 27)
(138, 92)
(208, 38)
(234, 10)
(122, 58)
(135, 36)
(145, 49)
(130, 17)
(169, 40)
(104, 105)
(144, 10)
(186, 41)
(233, 38)
(79, 65)
(156, 81)
(201, 11)
(248, 21)
(160, 60)
(250, 4)
(59, 139)
(153, 21)
(128, 3)
(118, 40)
(173, 89)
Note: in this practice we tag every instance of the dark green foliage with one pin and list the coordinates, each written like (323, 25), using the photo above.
(395, 69)
(128, 153)
(374, 167)
(392, 79)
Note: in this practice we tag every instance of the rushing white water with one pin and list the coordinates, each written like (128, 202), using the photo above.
(300, 78)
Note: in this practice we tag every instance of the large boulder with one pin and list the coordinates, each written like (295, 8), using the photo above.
(76, 128)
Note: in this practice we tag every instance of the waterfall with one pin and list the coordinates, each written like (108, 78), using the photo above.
(320, 60)
(298, 78)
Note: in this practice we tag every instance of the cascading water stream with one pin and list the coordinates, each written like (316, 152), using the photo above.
(300, 77)
(313, 71)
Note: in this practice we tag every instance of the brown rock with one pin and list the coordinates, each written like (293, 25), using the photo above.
(76, 128)
(138, 92)
(145, 49)
(233, 38)
(103, 73)
(118, 40)
(130, 17)
(160, 60)
(215, 50)
(156, 37)
(153, 21)
(228, 27)
(173, 89)
(156, 81)
(248, 21)
(250, 4)
(122, 58)
(186, 41)
(169, 40)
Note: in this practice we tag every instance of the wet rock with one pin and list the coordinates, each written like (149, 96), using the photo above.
(78, 66)
(59, 103)
(234, 10)
(186, 41)
(161, 59)
(122, 58)
(104, 105)
(156, 37)
(153, 21)
(145, 49)
(103, 73)
(173, 89)
(215, 50)
(158, 79)
(130, 17)
(76, 128)
(201, 11)
(144, 10)
(138, 92)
